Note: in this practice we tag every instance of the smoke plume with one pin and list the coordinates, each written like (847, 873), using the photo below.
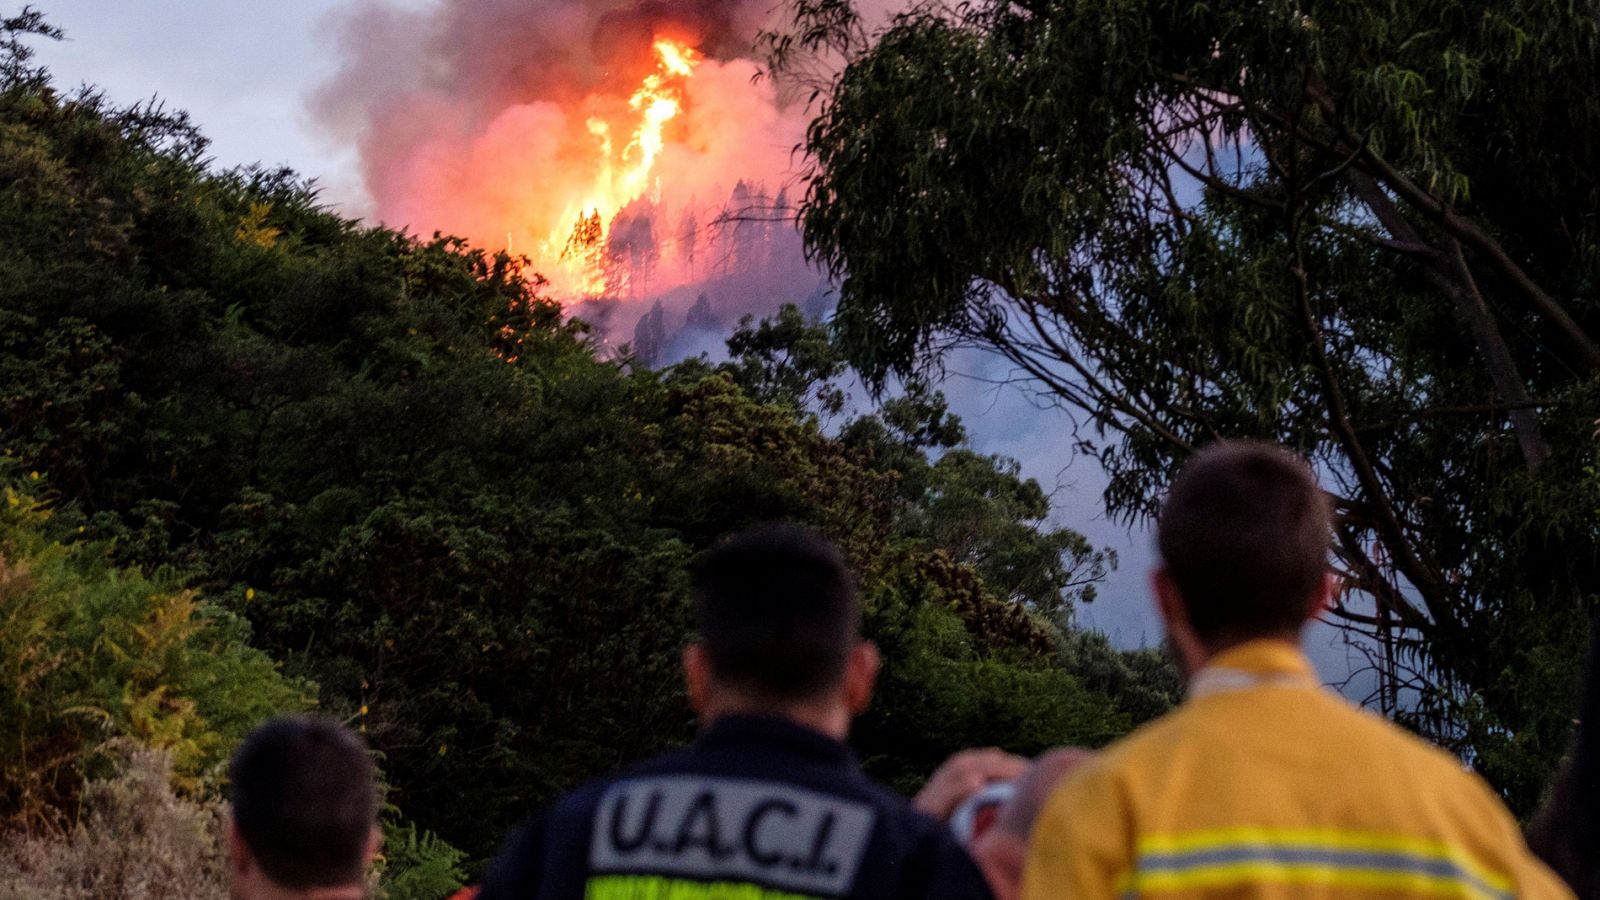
(625, 146)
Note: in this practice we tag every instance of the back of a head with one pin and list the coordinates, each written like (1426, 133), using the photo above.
(1244, 534)
(305, 801)
(1566, 832)
(777, 612)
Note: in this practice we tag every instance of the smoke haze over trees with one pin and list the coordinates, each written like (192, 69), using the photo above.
(1366, 232)
(281, 458)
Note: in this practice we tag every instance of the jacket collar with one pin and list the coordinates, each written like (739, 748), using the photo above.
(1264, 657)
(774, 733)
(1260, 663)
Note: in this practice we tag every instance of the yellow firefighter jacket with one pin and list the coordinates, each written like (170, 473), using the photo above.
(1263, 784)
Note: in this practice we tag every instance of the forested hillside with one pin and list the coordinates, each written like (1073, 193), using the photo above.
(260, 457)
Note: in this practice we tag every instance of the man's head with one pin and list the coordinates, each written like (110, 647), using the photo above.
(1244, 536)
(780, 626)
(1001, 850)
(304, 811)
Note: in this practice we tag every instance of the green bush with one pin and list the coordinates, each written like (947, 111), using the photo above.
(91, 652)
(964, 669)
(417, 865)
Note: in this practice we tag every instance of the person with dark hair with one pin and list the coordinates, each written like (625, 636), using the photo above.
(303, 813)
(1566, 832)
(1263, 784)
(768, 803)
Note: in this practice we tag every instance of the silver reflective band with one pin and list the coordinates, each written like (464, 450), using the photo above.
(731, 829)
(1210, 681)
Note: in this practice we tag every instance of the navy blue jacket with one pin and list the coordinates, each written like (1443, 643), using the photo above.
(756, 809)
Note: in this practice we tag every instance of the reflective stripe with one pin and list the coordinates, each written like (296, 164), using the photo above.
(1215, 680)
(1310, 857)
(648, 887)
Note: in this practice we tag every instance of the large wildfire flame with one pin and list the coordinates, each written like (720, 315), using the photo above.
(606, 140)
(576, 258)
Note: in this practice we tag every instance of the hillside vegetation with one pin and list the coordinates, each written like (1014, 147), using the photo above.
(260, 457)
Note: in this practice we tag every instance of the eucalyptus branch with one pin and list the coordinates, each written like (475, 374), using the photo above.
(1470, 233)
(1424, 577)
(1467, 409)
(1101, 395)
(1449, 272)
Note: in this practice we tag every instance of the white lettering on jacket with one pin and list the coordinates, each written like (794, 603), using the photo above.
(731, 829)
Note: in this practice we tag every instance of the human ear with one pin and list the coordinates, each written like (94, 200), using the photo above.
(1191, 651)
(697, 677)
(238, 851)
(1327, 596)
(861, 676)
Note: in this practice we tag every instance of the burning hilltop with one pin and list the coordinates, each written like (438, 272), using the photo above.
(626, 148)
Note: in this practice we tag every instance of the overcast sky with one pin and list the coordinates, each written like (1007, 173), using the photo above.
(244, 70)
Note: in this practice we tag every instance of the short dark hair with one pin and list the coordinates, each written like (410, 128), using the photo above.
(777, 611)
(1244, 534)
(305, 800)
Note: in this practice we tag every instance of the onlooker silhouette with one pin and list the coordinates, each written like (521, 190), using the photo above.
(1566, 832)
(303, 817)
(768, 802)
(1263, 783)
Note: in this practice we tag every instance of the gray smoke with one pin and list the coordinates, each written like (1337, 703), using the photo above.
(465, 113)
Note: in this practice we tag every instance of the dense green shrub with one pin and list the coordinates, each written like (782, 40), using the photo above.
(417, 865)
(90, 653)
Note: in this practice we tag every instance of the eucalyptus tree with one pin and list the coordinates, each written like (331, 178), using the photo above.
(1368, 231)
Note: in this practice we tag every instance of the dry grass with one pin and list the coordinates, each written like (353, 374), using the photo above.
(135, 840)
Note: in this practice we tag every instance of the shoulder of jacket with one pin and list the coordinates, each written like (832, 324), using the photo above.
(1112, 768)
(1429, 768)
(1154, 740)
(585, 797)
(1412, 749)
(895, 811)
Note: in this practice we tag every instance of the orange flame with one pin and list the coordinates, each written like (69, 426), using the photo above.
(612, 187)
(621, 179)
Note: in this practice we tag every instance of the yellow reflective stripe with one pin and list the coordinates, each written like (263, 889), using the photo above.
(1302, 876)
(655, 887)
(1305, 856)
(1192, 842)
